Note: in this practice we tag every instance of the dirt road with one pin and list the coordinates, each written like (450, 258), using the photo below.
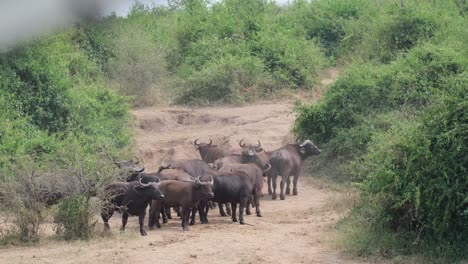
(296, 230)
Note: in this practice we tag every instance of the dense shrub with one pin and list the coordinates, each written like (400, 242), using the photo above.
(230, 80)
(416, 174)
(39, 81)
(138, 68)
(396, 122)
(294, 62)
(53, 99)
(366, 90)
(406, 29)
(74, 217)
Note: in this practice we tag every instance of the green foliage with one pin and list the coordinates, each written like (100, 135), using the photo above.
(416, 176)
(395, 122)
(38, 80)
(292, 61)
(57, 116)
(404, 32)
(416, 182)
(366, 90)
(74, 217)
(138, 68)
(230, 80)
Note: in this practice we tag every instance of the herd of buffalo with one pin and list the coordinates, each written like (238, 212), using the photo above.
(228, 177)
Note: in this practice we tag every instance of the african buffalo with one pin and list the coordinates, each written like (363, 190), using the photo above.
(129, 198)
(193, 167)
(180, 193)
(235, 188)
(256, 177)
(287, 161)
(209, 152)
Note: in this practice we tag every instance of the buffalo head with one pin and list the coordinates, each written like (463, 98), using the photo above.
(205, 187)
(150, 189)
(250, 149)
(308, 148)
(201, 145)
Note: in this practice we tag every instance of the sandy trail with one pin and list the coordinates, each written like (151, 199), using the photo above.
(296, 230)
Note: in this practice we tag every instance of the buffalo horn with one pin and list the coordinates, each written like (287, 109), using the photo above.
(305, 143)
(259, 144)
(144, 184)
(240, 143)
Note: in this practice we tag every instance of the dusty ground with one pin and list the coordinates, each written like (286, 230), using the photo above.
(296, 230)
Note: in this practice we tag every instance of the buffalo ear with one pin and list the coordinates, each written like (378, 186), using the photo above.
(302, 150)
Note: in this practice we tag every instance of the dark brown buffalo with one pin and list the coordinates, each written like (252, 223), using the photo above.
(185, 194)
(193, 167)
(232, 187)
(129, 198)
(287, 161)
(165, 175)
(209, 152)
(256, 177)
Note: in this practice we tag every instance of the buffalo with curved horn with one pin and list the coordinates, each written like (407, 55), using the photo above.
(129, 198)
(209, 152)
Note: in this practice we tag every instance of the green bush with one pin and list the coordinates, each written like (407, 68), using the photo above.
(138, 68)
(39, 82)
(74, 218)
(294, 62)
(406, 29)
(366, 90)
(416, 174)
(230, 80)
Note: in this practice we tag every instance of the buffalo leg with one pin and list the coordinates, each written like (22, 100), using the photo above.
(247, 208)
(256, 199)
(194, 214)
(185, 213)
(234, 209)
(124, 221)
(221, 209)
(212, 205)
(106, 214)
(296, 177)
(284, 179)
(242, 205)
(273, 179)
(228, 209)
(203, 208)
(167, 214)
(165, 211)
(270, 191)
(156, 217)
(151, 216)
(141, 219)
(288, 190)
